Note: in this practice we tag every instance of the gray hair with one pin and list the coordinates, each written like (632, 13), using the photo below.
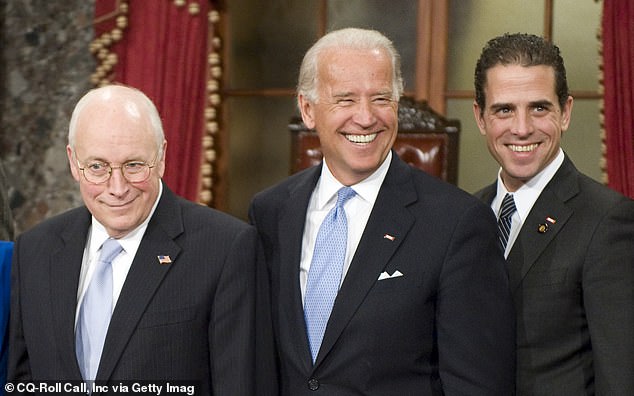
(106, 93)
(347, 38)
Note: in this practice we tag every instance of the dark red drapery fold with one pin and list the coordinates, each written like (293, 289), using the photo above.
(163, 52)
(618, 80)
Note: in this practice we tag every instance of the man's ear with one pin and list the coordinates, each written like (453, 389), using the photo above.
(74, 168)
(566, 113)
(160, 166)
(477, 114)
(306, 107)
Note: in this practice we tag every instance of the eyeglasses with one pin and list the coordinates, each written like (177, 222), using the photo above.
(100, 172)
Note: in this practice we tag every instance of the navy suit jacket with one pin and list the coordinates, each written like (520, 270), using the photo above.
(446, 325)
(191, 320)
(573, 289)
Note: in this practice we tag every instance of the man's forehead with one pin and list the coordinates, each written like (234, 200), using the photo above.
(109, 104)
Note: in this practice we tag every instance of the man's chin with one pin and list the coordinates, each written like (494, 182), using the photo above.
(517, 177)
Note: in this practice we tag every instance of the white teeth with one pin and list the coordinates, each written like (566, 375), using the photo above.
(361, 138)
(522, 149)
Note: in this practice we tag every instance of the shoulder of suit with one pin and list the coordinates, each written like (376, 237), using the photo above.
(195, 213)
(58, 224)
(285, 187)
(586, 196)
(486, 191)
(430, 188)
(603, 194)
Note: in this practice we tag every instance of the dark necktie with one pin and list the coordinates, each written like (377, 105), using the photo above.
(95, 312)
(504, 220)
(324, 275)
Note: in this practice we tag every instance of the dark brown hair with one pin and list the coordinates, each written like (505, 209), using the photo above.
(524, 50)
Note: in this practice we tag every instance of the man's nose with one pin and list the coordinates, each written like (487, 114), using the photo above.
(522, 124)
(364, 114)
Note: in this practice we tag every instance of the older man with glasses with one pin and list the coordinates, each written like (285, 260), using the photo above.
(137, 286)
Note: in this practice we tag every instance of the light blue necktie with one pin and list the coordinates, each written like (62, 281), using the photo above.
(504, 220)
(95, 312)
(324, 275)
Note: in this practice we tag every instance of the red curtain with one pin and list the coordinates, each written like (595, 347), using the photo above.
(618, 80)
(162, 50)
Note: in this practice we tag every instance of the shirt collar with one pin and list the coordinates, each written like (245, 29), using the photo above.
(526, 195)
(367, 189)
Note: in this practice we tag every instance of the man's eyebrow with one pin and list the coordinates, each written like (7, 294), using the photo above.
(541, 103)
(93, 158)
(498, 106)
(536, 103)
(342, 94)
(387, 92)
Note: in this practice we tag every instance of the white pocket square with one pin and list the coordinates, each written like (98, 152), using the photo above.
(385, 275)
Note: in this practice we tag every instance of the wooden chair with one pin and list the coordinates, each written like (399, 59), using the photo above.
(425, 140)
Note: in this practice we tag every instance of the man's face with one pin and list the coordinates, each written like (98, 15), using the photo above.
(112, 133)
(355, 114)
(522, 120)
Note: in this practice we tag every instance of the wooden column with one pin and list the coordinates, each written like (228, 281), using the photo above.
(431, 53)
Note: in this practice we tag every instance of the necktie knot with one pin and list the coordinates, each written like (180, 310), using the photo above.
(109, 250)
(344, 194)
(508, 206)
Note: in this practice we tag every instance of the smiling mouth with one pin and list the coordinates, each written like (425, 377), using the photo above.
(361, 139)
(522, 149)
(118, 205)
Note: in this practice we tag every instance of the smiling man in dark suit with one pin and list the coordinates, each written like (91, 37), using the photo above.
(385, 280)
(570, 240)
(178, 299)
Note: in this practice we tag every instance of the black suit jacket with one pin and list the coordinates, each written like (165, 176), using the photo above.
(573, 289)
(446, 325)
(192, 320)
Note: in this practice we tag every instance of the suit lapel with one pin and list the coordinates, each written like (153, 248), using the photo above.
(389, 216)
(290, 231)
(144, 277)
(550, 206)
(65, 267)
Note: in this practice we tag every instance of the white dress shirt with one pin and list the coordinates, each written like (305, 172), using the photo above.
(358, 209)
(525, 197)
(121, 264)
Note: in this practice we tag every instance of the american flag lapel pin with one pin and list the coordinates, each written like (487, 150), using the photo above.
(164, 259)
(388, 236)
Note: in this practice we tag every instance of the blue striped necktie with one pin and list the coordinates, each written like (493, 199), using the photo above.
(504, 220)
(324, 275)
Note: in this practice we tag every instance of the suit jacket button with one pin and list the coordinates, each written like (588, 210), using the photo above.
(313, 384)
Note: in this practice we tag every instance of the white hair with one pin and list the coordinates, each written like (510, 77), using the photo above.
(347, 38)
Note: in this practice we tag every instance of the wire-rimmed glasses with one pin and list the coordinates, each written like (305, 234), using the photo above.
(98, 172)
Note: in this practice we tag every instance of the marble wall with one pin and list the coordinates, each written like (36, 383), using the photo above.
(45, 67)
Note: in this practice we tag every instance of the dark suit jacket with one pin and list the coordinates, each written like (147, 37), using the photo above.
(445, 325)
(573, 288)
(191, 320)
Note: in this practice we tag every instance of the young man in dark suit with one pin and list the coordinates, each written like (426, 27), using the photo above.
(570, 240)
(385, 280)
(178, 298)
